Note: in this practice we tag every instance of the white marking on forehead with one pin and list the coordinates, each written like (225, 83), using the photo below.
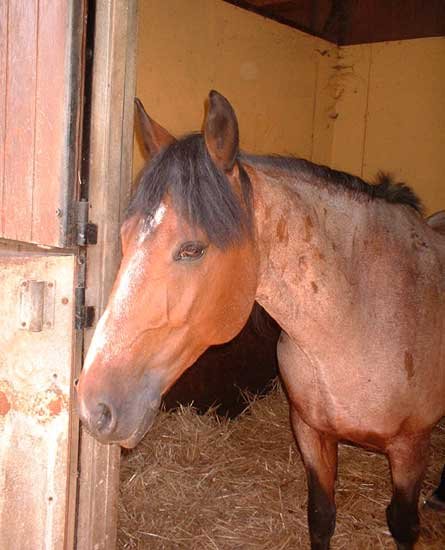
(137, 264)
(153, 223)
(128, 283)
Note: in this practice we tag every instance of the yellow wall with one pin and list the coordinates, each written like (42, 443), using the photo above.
(358, 108)
(268, 71)
(391, 114)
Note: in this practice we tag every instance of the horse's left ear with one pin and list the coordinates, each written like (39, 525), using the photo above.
(154, 136)
(221, 131)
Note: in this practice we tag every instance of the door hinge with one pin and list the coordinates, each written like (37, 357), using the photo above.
(84, 315)
(86, 231)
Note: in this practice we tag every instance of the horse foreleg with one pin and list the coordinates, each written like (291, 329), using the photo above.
(437, 499)
(319, 456)
(407, 458)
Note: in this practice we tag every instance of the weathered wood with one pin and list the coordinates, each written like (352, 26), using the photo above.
(57, 99)
(39, 96)
(35, 381)
(3, 54)
(20, 36)
(109, 187)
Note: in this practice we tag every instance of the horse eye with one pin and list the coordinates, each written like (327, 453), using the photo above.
(190, 251)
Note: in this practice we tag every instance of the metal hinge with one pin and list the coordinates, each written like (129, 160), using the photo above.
(83, 315)
(86, 231)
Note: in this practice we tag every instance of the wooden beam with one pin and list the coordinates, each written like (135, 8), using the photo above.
(392, 20)
(111, 143)
(306, 15)
(347, 22)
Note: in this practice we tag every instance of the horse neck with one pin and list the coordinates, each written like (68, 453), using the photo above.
(301, 227)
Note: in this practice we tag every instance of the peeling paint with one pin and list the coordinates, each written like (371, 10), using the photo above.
(43, 406)
(5, 405)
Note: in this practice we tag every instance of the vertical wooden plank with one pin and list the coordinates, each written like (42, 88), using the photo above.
(20, 118)
(109, 186)
(40, 94)
(51, 119)
(3, 56)
(58, 98)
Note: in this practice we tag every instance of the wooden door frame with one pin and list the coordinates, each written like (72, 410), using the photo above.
(110, 174)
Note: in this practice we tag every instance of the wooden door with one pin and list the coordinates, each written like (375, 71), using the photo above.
(41, 93)
(40, 77)
(36, 376)
(54, 493)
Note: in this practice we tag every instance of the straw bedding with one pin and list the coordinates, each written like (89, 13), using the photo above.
(202, 482)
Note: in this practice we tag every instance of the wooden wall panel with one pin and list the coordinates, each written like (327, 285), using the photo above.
(20, 35)
(39, 98)
(267, 71)
(391, 114)
(50, 128)
(3, 53)
(405, 126)
(112, 113)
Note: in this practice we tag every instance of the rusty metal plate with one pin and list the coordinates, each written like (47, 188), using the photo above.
(35, 383)
(36, 305)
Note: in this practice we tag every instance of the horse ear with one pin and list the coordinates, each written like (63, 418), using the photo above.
(437, 221)
(221, 131)
(154, 136)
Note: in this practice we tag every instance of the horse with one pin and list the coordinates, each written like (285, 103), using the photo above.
(352, 272)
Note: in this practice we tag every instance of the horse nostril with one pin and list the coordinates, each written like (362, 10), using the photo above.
(105, 419)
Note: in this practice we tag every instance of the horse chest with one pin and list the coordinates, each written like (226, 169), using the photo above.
(336, 395)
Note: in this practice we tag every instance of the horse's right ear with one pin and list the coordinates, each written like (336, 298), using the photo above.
(154, 136)
(221, 131)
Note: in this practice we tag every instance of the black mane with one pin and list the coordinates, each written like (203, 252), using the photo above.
(385, 187)
(205, 198)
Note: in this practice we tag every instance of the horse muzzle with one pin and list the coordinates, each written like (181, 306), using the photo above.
(124, 419)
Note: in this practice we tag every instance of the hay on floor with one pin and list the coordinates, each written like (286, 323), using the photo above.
(201, 482)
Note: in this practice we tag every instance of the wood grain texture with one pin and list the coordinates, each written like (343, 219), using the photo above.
(109, 186)
(35, 382)
(51, 120)
(39, 101)
(3, 65)
(18, 177)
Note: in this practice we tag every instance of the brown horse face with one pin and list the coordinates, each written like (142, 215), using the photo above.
(175, 295)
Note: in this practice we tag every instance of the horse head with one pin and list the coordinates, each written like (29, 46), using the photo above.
(187, 278)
